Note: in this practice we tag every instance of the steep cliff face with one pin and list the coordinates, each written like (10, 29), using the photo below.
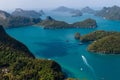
(110, 13)
(10, 44)
(18, 63)
(4, 14)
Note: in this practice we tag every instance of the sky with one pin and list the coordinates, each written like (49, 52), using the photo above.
(49, 4)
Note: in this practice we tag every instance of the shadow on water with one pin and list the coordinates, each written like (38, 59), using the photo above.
(52, 49)
(68, 73)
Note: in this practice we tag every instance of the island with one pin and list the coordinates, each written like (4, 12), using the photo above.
(106, 45)
(27, 13)
(110, 13)
(103, 42)
(50, 23)
(42, 12)
(63, 9)
(88, 10)
(10, 21)
(74, 12)
(18, 63)
(95, 35)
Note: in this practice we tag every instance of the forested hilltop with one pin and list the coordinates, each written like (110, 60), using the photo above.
(18, 63)
(103, 42)
(50, 23)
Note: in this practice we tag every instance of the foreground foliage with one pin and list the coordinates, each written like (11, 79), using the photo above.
(18, 63)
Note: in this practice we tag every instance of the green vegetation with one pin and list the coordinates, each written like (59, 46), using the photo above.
(77, 35)
(12, 21)
(50, 23)
(54, 24)
(22, 21)
(72, 79)
(109, 45)
(103, 42)
(96, 35)
(18, 63)
(88, 23)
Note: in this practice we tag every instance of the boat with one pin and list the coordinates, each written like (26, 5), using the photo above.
(81, 69)
(49, 59)
(80, 43)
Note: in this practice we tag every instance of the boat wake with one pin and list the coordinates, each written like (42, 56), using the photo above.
(90, 67)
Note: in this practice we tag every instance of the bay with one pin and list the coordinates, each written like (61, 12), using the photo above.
(60, 45)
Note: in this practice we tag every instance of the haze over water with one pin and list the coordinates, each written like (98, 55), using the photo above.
(51, 4)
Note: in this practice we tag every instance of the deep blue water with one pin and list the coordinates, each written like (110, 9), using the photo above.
(75, 60)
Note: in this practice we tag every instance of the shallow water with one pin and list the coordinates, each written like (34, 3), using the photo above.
(75, 60)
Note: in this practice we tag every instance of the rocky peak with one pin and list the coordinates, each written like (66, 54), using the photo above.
(41, 12)
(88, 10)
(4, 14)
(49, 18)
(19, 10)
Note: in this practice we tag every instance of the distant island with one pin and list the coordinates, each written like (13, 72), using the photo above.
(103, 42)
(63, 9)
(110, 13)
(74, 12)
(10, 21)
(18, 63)
(27, 13)
(51, 23)
(41, 12)
(88, 10)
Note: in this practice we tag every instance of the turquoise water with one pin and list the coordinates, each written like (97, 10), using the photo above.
(75, 60)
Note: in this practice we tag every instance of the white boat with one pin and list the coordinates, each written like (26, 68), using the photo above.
(80, 43)
(81, 69)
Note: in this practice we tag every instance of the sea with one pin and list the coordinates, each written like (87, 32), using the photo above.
(60, 45)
